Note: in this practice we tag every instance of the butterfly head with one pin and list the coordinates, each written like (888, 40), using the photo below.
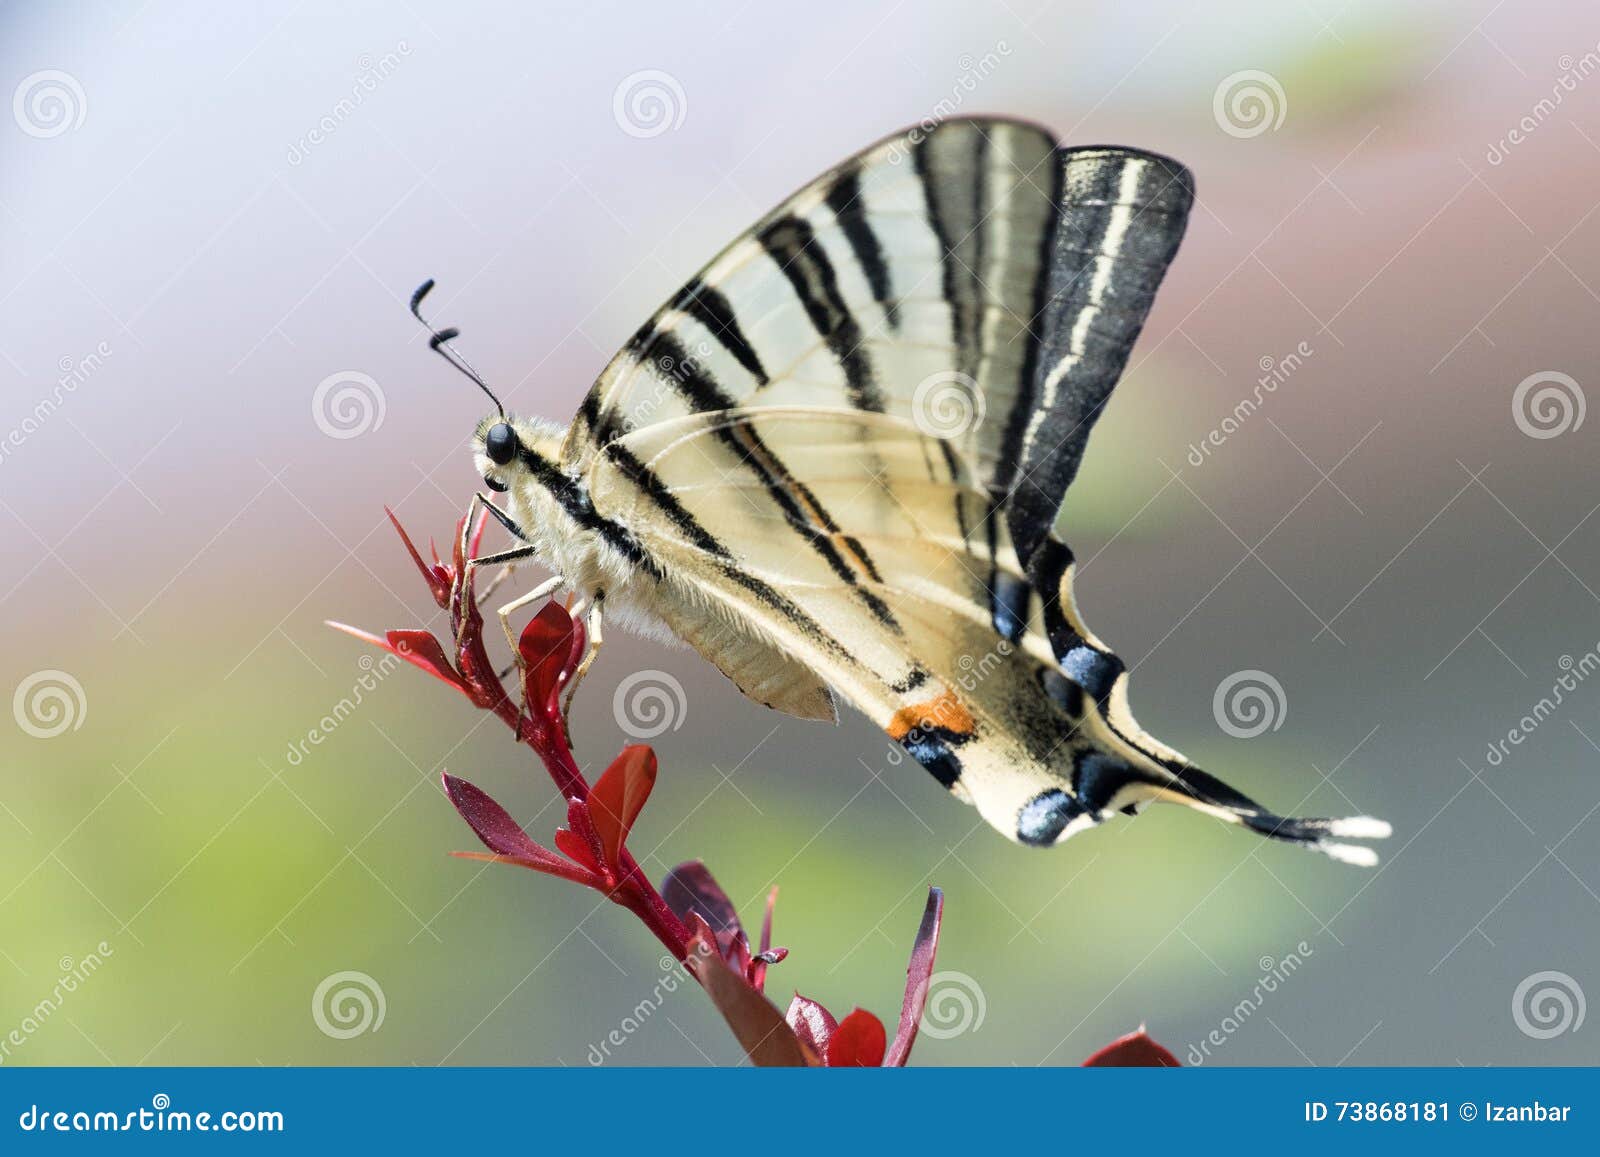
(508, 451)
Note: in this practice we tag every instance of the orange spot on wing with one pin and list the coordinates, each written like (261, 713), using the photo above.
(944, 711)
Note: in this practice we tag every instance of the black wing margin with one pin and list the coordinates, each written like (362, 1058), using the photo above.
(1121, 216)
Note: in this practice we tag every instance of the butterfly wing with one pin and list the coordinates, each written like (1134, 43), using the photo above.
(867, 575)
(779, 436)
(973, 278)
(865, 572)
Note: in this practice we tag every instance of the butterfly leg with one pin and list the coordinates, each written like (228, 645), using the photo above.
(501, 558)
(543, 590)
(592, 629)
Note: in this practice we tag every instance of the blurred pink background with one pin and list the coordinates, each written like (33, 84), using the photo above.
(219, 209)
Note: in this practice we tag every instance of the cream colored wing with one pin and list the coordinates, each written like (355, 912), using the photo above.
(762, 671)
(847, 539)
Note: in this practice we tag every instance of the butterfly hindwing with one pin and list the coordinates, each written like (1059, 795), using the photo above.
(1122, 216)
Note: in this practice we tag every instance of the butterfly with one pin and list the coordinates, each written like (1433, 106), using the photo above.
(833, 462)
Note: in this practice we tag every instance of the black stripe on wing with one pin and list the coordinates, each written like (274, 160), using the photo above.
(793, 244)
(844, 199)
(712, 309)
(1122, 215)
(652, 488)
(800, 507)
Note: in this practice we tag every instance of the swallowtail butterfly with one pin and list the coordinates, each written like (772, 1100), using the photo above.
(833, 461)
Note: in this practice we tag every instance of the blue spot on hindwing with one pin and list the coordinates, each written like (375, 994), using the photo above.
(1095, 671)
(1046, 816)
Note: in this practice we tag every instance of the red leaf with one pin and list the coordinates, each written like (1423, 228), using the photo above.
(546, 861)
(691, 889)
(761, 1031)
(550, 645)
(812, 1023)
(582, 826)
(416, 647)
(1134, 1051)
(494, 826)
(918, 971)
(616, 800)
(421, 649)
(436, 576)
(758, 970)
(857, 1042)
(576, 848)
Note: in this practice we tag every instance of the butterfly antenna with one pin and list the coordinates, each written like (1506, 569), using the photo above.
(438, 342)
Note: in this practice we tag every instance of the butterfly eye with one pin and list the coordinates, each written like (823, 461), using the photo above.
(500, 444)
(497, 487)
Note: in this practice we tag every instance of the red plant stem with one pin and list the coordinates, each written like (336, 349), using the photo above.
(545, 733)
(633, 890)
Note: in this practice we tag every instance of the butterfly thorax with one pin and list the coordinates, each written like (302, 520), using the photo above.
(551, 506)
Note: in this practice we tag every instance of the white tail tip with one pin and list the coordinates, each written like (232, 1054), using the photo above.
(1360, 828)
(1350, 854)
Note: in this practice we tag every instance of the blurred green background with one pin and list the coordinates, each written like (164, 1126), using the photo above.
(229, 205)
